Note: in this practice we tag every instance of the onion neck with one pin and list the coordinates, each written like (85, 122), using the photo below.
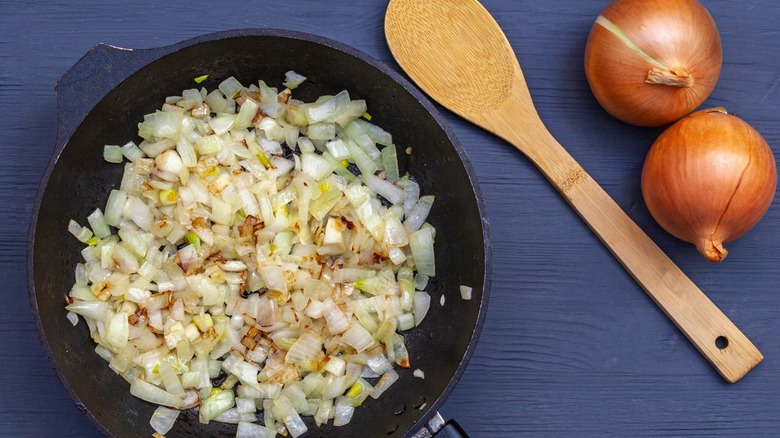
(672, 78)
(659, 74)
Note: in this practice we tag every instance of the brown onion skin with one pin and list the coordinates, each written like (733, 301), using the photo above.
(708, 179)
(680, 34)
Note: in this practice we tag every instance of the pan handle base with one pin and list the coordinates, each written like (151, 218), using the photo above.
(451, 430)
(439, 428)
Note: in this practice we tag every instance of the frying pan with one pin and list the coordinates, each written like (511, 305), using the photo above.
(100, 101)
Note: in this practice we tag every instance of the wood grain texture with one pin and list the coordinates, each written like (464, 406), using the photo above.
(571, 345)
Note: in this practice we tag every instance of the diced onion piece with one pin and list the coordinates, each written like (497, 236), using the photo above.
(98, 224)
(186, 152)
(295, 425)
(140, 213)
(465, 292)
(230, 87)
(357, 108)
(419, 213)
(114, 207)
(421, 245)
(412, 194)
(358, 338)
(342, 412)
(390, 163)
(406, 321)
(369, 147)
(324, 412)
(273, 277)
(246, 114)
(321, 131)
(338, 149)
(284, 410)
(218, 403)
(336, 320)
(123, 260)
(385, 188)
(251, 430)
(336, 366)
(231, 416)
(221, 212)
(193, 95)
(396, 255)
(316, 167)
(395, 236)
(163, 419)
(366, 165)
(112, 154)
(293, 79)
(154, 394)
(72, 317)
(131, 151)
(104, 353)
(160, 125)
(210, 293)
(419, 373)
(422, 303)
(320, 207)
(169, 161)
(222, 124)
(379, 364)
(245, 405)
(170, 379)
(83, 234)
(117, 332)
(246, 372)
(420, 281)
(359, 392)
(306, 351)
(385, 382)
(153, 149)
(327, 107)
(96, 310)
(305, 144)
(209, 144)
(361, 127)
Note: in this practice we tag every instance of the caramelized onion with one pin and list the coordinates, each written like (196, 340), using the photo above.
(708, 179)
(650, 63)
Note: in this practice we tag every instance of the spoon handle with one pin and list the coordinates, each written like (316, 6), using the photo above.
(711, 331)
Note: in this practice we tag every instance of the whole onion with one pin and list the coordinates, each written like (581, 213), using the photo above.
(650, 63)
(708, 179)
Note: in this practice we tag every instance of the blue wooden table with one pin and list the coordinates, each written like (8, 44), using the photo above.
(571, 345)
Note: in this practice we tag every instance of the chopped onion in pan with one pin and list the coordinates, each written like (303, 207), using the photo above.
(241, 247)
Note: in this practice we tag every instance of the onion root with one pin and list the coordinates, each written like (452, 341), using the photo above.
(712, 249)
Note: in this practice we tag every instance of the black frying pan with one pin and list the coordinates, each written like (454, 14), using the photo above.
(101, 100)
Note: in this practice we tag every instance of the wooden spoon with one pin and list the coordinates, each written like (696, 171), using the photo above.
(456, 52)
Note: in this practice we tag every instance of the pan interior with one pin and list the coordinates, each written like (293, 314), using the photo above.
(80, 181)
